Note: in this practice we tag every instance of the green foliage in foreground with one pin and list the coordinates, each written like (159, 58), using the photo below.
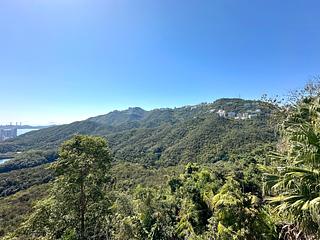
(77, 205)
(200, 203)
(15, 208)
(231, 199)
(293, 180)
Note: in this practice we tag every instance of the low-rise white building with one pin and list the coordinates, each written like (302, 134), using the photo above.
(221, 113)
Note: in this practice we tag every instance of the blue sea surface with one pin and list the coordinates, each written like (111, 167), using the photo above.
(23, 131)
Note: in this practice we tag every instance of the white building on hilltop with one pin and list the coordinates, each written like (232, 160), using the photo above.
(222, 113)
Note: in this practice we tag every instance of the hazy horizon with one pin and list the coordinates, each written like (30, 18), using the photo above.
(63, 61)
(88, 115)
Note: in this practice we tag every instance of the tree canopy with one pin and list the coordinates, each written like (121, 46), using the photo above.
(77, 205)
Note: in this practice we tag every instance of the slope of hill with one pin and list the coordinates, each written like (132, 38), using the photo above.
(165, 136)
(149, 147)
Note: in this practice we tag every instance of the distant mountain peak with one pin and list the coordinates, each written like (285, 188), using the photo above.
(117, 117)
(135, 110)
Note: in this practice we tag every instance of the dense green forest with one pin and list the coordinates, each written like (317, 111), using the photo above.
(164, 136)
(183, 173)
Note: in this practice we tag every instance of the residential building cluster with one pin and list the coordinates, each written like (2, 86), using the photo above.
(249, 114)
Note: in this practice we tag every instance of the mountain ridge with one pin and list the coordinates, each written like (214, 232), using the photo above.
(163, 136)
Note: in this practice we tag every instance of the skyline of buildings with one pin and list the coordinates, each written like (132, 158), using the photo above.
(10, 124)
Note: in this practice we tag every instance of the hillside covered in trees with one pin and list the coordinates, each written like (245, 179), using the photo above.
(223, 170)
(165, 136)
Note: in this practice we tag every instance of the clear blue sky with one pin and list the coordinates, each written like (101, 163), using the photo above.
(66, 60)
